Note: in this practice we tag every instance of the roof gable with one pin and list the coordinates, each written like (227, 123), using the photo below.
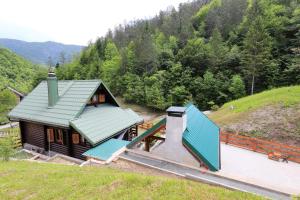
(73, 96)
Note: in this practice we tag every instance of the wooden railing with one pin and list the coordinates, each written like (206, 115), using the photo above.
(14, 134)
(149, 132)
(262, 146)
(148, 125)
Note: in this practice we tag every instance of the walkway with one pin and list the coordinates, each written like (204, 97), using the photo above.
(256, 168)
(195, 174)
(13, 124)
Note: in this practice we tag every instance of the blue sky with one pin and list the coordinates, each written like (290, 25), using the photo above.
(72, 21)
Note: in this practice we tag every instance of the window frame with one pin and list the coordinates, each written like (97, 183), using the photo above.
(60, 136)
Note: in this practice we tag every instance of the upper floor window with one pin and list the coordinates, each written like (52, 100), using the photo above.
(101, 98)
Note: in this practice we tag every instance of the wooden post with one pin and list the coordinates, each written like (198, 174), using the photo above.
(147, 144)
(70, 142)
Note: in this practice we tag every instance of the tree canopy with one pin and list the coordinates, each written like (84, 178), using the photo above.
(206, 52)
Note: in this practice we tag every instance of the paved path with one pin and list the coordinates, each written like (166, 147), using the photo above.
(9, 125)
(256, 168)
(195, 174)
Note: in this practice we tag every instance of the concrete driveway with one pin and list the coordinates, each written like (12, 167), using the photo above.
(256, 168)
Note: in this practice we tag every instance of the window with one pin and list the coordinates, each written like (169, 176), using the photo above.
(94, 99)
(78, 139)
(50, 135)
(101, 98)
(82, 140)
(59, 138)
(75, 138)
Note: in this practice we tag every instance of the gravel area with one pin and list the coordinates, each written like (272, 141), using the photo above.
(127, 166)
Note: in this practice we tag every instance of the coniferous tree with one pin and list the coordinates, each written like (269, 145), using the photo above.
(257, 48)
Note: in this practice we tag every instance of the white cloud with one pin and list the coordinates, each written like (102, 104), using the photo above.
(74, 21)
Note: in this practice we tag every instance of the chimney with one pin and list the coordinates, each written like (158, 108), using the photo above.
(176, 124)
(52, 88)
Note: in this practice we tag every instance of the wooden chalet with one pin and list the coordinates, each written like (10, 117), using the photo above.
(71, 117)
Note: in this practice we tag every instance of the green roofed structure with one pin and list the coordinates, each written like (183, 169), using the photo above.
(106, 150)
(191, 138)
(202, 137)
(104, 121)
(71, 117)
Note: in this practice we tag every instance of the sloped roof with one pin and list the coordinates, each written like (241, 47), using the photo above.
(99, 123)
(105, 150)
(73, 96)
(202, 137)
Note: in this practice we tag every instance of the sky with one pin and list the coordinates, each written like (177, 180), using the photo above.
(72, 21)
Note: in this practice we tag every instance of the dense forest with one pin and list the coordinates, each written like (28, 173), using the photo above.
(18, 73)
(206, 51)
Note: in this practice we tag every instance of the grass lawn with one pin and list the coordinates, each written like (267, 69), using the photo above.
(26, 180)
(285, 96)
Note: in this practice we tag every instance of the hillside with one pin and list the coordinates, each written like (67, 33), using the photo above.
(205, 51)
(18, 73)
(39, 52)
(54, 181)
(273, 114)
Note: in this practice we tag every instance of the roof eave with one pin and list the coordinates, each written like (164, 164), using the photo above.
(12, 118)
(190, 147)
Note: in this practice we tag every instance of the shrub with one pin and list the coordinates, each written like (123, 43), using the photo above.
(6, 148)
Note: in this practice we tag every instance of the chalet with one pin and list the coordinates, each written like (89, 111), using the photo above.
(19, 95)
(71, 117)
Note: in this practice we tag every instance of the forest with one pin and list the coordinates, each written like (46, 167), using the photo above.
(17, 73)
(207, 52)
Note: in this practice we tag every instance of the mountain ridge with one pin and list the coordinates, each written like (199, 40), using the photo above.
(41, 52)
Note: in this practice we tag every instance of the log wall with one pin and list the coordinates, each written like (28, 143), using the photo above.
(33, 134)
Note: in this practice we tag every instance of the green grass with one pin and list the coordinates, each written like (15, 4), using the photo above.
(285, 96)
(25, 180)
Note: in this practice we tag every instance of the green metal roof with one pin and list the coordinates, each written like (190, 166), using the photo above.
(100, 123)
(202, 137)
(147, 133)
(105, 150)
(73, 96)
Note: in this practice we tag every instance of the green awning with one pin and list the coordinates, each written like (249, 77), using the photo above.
(105, 150)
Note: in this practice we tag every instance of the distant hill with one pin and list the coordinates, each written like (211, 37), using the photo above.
(273, 115)
(39, 52)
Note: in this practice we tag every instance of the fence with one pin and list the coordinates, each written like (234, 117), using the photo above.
(261, 146)
(14, 133)
(254, 144)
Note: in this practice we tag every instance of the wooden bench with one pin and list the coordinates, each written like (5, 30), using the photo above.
(277, 156)
(274, 156)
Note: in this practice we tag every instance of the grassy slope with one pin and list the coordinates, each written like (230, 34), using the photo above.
(285, 96)
(25, 180)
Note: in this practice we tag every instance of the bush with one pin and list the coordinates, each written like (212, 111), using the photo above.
(215, 108)
(6, 148)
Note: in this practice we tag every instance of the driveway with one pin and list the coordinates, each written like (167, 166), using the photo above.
(256, 168)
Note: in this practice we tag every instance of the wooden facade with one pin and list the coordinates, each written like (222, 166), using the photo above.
(60, 137)
(64, 141)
